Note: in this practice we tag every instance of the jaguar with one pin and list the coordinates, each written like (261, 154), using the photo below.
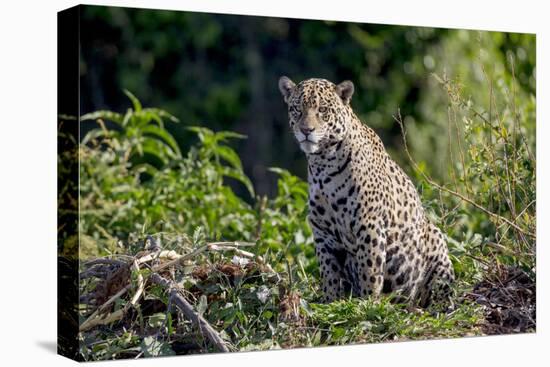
(370, 230)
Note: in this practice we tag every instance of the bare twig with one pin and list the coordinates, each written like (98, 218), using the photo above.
(215, 246)
(232, 243)
(261, 210)
(104, 319)
(461, 152)
(166, 254)
(140, 284)
(180, 259)
(104, 261)
(94, 320)
(205, 328)
(250, 255)
(100, 317)
(450, 143)
(505, 250)
(399, 120)
(94, 273)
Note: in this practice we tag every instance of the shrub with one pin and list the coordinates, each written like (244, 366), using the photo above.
(487, 206)
(134, 181)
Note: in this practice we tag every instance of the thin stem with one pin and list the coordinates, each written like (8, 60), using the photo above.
(452, 192)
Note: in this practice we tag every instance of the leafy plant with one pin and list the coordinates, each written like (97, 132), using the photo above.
(487, 207)
(142, 128)
(119, 202)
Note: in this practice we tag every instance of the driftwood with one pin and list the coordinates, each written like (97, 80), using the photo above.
(188, 311)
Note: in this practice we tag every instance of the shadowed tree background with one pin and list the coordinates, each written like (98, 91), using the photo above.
(221, 71)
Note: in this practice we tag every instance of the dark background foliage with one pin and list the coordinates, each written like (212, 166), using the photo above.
(221, 71)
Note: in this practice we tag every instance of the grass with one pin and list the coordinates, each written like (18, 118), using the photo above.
(254, 308)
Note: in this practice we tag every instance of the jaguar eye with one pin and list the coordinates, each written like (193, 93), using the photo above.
(295, 110)
(322, 109)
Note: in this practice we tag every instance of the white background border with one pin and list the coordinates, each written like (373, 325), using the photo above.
(28, 180)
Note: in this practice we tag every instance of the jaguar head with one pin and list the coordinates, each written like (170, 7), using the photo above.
(318, 110)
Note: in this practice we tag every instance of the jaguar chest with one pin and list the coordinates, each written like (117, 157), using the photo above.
(333, 204)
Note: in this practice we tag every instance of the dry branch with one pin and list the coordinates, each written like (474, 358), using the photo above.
(166, 254)
(180, 258)
(188, 311)
(213, 246)
(140, 284)
(152, 260)
(95, 319)
(103, 261)
(250, 255)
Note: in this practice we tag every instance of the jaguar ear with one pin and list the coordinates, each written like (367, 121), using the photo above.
(345, 90)
(286, 86)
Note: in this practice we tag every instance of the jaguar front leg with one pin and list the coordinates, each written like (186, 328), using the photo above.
(371, 260)
(331, 265)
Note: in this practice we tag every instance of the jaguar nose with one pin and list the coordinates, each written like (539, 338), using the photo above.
(307, 130)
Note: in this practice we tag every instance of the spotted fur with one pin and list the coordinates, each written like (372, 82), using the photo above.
(371, 233)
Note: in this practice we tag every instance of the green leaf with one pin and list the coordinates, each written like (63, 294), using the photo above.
(239, 176)
(280, 171)
(338, 332)
(198, 236)
(157, 320)
(163, 135)
(127, 117)
(94, 134)
(145, 168)
(306, 307)
(135, 102)
(224, 135)
(203, 133)
(169, 324)
(152, 347)
(161, 113)
(66, 117)
(157, 149)
(103, 114)
(230, 156)
(267, 314)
